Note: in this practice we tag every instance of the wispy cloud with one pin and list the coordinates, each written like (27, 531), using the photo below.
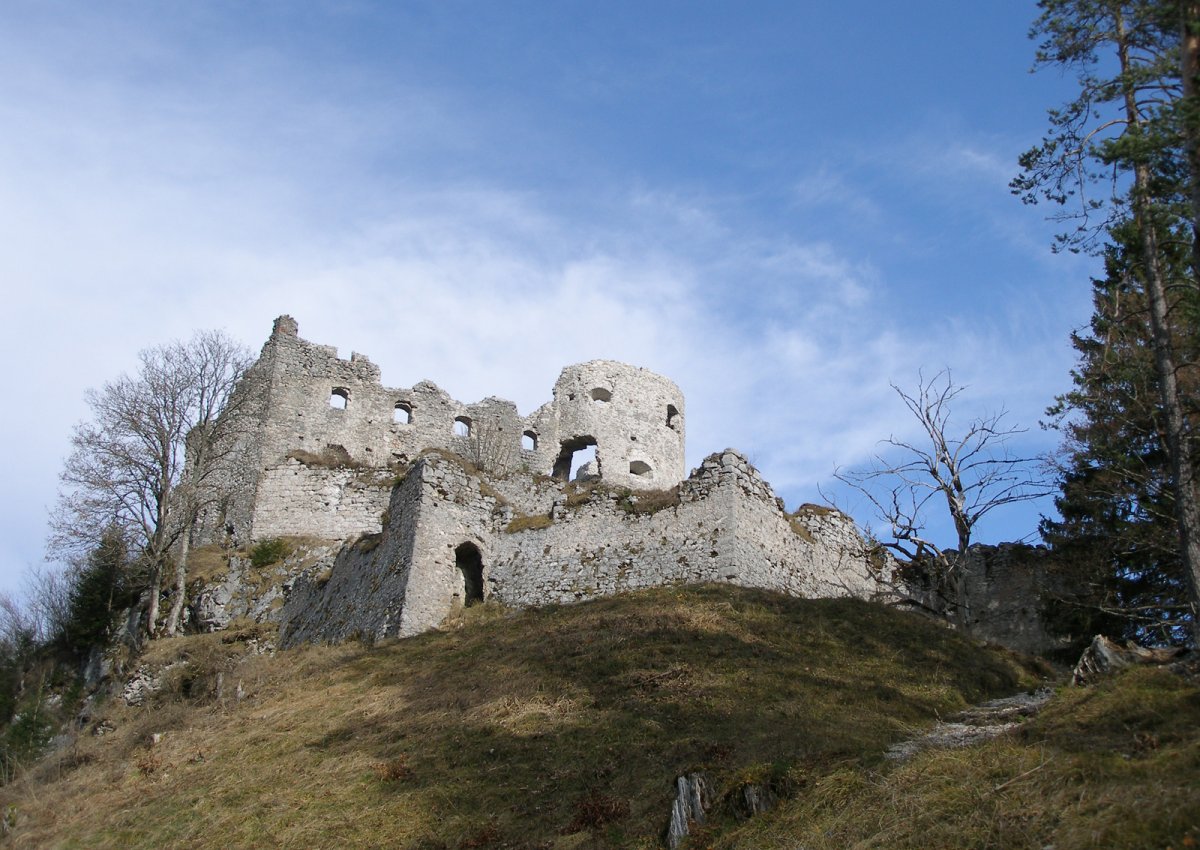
(826, 188)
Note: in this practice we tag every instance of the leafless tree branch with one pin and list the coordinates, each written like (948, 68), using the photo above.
(971, 470)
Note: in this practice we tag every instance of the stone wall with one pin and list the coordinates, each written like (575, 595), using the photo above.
(379, 586)
(330, 503)
(727, 526)
(1006, 586)
(1005, 591)
(362, 592)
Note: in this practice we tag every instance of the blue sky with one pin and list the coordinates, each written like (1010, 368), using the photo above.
(782, 206)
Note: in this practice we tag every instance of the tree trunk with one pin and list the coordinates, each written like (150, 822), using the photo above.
(155, 592)
(953, 588)
(173, 616)
(1179, 447)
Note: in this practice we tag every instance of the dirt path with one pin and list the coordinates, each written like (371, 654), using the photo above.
(975, 724)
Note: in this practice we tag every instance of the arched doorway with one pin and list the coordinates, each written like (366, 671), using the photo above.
(469, 560)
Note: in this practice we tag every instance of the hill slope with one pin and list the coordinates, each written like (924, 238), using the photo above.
(560, 728)
(1112, 766)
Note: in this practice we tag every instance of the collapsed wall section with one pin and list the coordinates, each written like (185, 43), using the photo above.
(362, 592)
(454, 538)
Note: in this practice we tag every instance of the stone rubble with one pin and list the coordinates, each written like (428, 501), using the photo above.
(1103, 657)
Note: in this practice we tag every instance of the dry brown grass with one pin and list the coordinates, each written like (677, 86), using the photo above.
(581, 492)
(207, 563)
(559, 727)
(1113, 767)
(330, 457)
(645, 502)
(800, 529)
(817, 510)
(367, 543)
(523, 522)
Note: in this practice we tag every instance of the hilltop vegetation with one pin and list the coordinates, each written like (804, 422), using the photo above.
(557, 727)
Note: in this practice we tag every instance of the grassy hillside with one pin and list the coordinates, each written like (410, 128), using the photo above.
(565, 728)
(1114, 766)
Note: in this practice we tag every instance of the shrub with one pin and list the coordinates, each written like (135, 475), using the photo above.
(25, 738)
(269, 551)
(98, 587)
(595, 809)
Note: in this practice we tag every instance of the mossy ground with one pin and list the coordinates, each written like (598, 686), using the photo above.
(561, 727)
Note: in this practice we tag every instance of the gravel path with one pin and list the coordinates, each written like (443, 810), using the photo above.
(975, 724)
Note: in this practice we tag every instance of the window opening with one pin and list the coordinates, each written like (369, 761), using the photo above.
(339, 398)
(402, 413)
(470, 562)
(462, 426)
(640, 468)
(529, 441)
(574, 453)
(601, 395)
(672, 417)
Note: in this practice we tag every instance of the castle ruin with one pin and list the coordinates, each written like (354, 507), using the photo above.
(443, 504)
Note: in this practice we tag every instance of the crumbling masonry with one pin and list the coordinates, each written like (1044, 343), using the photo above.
(443, 504)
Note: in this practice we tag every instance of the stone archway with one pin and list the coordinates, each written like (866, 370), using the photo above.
(469, 561)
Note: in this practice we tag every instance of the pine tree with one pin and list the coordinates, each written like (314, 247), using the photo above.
(99, 588)
(1116, 545)
(1119, 160)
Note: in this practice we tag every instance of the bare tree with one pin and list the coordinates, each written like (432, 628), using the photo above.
(44, 606)
(972, 473)
(217, 366)
(141, 462)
